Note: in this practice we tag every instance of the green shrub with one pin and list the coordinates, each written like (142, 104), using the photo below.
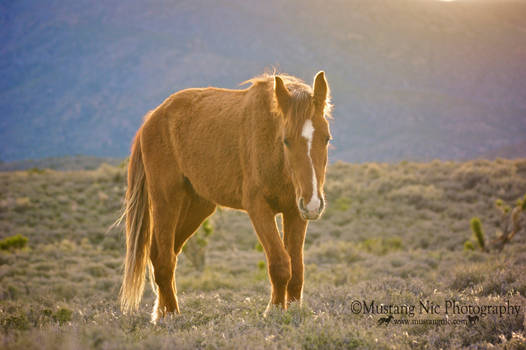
(468, 245)
(17, 321)
(63, 315)
(13, 242)
(207, 228)
(504, 209)
(36, 170)
(47, 313)
(476, 227)
(342, 204)
(381, 246)
(195, 248)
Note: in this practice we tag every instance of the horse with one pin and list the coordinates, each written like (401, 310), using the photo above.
(385, 320)
(262, 150)
(472, 319)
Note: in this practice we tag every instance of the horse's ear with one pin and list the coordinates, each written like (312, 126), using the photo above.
(282, 94)
(320, 89)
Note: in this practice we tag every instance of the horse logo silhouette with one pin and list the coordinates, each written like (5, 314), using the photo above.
(472, 319)
(385, 320)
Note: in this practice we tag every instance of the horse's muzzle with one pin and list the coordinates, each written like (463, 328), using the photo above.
(311, 214)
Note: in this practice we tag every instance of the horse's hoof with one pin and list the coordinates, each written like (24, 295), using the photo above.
(273, 309)
(164, 319)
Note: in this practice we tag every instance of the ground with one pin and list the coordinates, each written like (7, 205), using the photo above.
(393, 234)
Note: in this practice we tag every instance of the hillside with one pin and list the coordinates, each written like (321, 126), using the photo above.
(393, 233)
(60, 163)
(517, 150)
(411, 79)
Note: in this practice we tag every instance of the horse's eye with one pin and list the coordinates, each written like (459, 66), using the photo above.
(286, 142)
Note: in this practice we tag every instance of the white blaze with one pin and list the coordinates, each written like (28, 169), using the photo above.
(307, 133)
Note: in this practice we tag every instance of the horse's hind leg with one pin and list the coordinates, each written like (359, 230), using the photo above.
(187, 212)
(164, 216)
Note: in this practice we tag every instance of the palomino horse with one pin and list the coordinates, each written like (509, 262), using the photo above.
(262, 150)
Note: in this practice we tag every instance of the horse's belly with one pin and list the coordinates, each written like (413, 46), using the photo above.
(224, 190)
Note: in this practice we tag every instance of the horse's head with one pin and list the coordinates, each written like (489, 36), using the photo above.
(306, 137)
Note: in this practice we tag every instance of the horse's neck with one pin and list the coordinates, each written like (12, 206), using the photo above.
(272, 154)
(266, 128)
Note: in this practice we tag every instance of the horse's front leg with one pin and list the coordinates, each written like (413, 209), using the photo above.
(278, 260)
(294, 235)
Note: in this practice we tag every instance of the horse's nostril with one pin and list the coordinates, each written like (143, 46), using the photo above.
(301, 204)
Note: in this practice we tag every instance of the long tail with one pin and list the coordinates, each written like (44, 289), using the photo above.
(138, 233)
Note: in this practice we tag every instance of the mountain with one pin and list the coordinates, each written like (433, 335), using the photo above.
(517, 150)
(67, 163)
(411, 79)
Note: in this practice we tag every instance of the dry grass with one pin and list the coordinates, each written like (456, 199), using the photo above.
(392, 233)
